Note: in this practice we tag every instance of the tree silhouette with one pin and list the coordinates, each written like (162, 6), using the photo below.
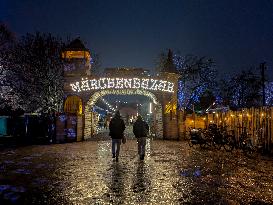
(34, 72)
(242, 90)
(197, 76)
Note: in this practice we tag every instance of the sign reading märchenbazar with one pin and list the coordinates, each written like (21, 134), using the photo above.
(122, 83)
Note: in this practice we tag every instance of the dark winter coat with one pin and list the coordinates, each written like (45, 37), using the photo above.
(140, 128)
(116, 128)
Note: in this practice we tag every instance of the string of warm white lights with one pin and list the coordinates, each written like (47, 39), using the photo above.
(122, 83)
(100, 94)
(108, 104)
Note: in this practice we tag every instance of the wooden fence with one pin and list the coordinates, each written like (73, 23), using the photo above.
(258, 122)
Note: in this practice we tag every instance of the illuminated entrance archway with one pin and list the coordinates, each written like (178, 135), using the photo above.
(161, 89)
(81, 81)
(89, 125)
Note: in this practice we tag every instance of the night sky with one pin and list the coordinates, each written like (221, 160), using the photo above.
(235, 33)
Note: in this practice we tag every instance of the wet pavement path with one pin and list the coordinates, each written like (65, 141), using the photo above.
(172, 173)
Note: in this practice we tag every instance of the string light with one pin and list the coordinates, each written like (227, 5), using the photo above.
(102, 93)
(99, 94)
(110, 106)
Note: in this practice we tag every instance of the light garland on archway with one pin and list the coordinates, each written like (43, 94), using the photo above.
(108, 104)
(122, 83)
(102, 93)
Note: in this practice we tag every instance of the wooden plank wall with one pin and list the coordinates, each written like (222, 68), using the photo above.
(258, 122)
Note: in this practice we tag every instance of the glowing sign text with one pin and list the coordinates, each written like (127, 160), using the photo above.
(123, 83)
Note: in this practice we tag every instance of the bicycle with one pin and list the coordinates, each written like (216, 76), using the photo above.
(245, 143)
(196, 137)
(220, 138)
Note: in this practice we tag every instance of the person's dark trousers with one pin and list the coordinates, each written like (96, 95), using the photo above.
(116, 148)
(141, 143)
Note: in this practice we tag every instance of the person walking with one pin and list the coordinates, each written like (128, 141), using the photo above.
(116, 128)
(141, 130)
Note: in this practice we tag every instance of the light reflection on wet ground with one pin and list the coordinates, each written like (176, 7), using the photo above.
(172, 173)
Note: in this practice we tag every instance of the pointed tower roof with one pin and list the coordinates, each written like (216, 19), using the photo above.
(76, 45)
(169, 64)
